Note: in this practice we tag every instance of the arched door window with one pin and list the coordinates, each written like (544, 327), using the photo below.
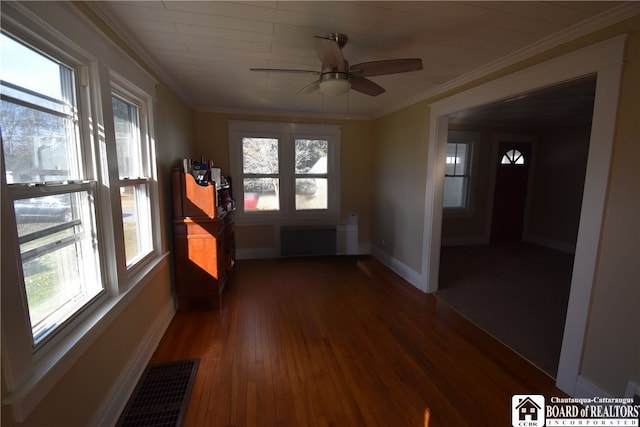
(512, 157)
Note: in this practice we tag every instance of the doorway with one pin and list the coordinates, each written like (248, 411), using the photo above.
(515, 284)
(510, 192)
(605, 60)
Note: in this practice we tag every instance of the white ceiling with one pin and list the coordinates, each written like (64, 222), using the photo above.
(204, 49)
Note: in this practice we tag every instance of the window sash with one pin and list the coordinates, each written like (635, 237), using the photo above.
(136, 220)
(40, 245)
(130, 143)
(458, 177)
(459, 162)
(132, 152)
(456, 191)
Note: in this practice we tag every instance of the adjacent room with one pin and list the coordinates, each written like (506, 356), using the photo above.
(513, 277)
(322, 213)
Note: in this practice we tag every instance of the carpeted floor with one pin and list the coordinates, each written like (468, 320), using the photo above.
(517, 292)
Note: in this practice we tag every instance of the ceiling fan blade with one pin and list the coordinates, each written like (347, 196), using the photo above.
(284, 70)
(330, 54)
(366, 86)
(389, 66)
(311, 87)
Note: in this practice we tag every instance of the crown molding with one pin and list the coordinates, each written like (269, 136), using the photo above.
(284, 113)
(105, 12)
(598, 22)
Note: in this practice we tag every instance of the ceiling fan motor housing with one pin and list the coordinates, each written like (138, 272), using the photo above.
(339, 38)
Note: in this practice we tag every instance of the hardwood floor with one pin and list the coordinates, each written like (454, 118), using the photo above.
(342, 341)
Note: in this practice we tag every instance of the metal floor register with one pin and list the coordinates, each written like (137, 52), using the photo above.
(162, 395)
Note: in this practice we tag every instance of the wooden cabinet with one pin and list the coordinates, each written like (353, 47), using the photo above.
(204, 242)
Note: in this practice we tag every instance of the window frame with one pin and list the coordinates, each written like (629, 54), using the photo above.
(30, 372)
(286, 133)
(128, 92)
(471, 140)
(87, 182)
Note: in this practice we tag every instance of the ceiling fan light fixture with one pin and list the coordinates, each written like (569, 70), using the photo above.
(337, 78)
(335, 87)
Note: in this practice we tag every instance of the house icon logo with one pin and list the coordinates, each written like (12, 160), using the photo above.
(527, 410)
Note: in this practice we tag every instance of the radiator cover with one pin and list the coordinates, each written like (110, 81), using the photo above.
(320, 240)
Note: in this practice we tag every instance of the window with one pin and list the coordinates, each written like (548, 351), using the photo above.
(80, 217)
(512, 157)
(311, 173)
(260, 174)
(456, 182)
(286, 170)
(133, 170)
(51, 193)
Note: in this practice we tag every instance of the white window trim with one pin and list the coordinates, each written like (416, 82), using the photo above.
(145, 104)
(29, 376)
(286, 133)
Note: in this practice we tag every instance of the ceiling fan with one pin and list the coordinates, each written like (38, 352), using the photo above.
(336, 77)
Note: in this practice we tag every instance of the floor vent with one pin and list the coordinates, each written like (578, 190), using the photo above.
(307, 241)
(161, 397)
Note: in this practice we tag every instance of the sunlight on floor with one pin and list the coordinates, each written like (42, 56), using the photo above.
(427, 415)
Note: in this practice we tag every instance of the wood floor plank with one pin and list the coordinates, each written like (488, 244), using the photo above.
(342, 341)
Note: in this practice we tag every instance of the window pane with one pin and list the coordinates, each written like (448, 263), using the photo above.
(260, 156)
(59, 257)
(311, 193)
(125, 117)
(136, 222)
(455, 192)
(512, 157)
(41, 213)
(26, 68)
(38, 146)
(456, 159)
(311, 156)
(37, 117)
(261, 194)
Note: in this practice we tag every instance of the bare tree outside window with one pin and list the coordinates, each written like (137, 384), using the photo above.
(260, 165)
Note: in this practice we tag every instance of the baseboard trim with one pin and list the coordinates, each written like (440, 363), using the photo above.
(550, 243)
(398, 267)
(464, 241)
(109, 412)
(257, 253)
(585, 388)
(265, 253)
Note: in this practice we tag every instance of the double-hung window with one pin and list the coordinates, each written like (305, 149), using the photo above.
(261, 173)
(51, 192)
(80, 215)
(285, 172)
(311, 174)
(134, 160)
(457, 178)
